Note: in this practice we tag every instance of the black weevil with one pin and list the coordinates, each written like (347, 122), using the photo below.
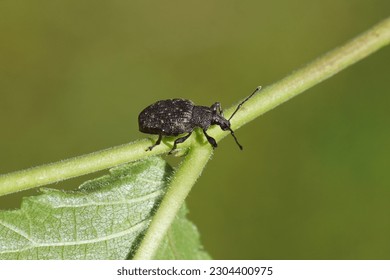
(173, 117)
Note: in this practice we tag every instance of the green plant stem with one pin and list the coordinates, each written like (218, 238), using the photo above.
(73, 167)
(310, 75)
(270, 97)
(183, 180)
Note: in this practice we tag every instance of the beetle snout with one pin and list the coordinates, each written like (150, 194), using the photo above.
(225, 125)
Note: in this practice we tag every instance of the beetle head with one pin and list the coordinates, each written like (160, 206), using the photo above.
(224, 123)
(218, 119)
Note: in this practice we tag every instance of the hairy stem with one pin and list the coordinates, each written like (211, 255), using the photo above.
(272, 96)
(181, 184)
(310, 75)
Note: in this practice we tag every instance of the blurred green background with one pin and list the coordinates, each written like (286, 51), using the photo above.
(313, 181)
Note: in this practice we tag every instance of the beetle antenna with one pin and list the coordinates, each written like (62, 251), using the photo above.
(239, 106)
(234, 136)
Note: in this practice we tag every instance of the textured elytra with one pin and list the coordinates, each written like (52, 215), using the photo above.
(167, 117)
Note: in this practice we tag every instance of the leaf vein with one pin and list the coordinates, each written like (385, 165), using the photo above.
(117, 202)
(80, 242)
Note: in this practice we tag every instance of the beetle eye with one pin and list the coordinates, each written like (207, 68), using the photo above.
(225, 125)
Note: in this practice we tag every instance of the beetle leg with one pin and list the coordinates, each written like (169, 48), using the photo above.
(178, 141)
(210, 139)
(157, 143)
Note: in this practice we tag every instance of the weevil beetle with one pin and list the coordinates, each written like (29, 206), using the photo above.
(173, 117)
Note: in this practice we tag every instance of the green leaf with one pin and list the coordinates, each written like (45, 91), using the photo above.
(182, 241)
(104, 219)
